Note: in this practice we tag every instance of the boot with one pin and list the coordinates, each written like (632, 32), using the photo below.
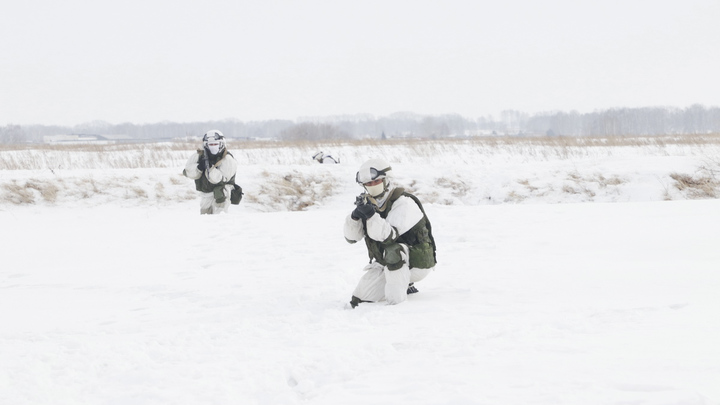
(355, 301)
(411, 289)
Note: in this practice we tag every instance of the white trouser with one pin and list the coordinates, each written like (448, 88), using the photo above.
(379, 283)
(209, 206)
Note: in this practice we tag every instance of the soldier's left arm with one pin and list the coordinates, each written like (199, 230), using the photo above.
(403, 215)
(223, 171)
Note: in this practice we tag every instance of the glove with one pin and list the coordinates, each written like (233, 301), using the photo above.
(201, 164)
(363, 211)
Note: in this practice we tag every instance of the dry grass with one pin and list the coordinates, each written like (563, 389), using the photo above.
(459, 188)
(28, 192)
(77, 189)
(174, 154)
(514, 197)
(697, 186)
(555, 141)
(87, 156)
(704, 183)
(526, 183)
(293, 191)
(17, 194)
(568, 189)
(597, 178)
(588, 187)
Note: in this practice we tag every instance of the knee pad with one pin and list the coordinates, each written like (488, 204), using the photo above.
(395, 256)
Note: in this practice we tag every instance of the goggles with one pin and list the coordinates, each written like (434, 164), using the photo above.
(211, 137)
(374, 174)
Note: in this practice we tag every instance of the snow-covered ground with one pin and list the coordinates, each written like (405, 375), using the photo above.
(564, 277)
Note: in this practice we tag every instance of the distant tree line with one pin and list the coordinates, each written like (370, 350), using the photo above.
(156, 131)
(696, 119)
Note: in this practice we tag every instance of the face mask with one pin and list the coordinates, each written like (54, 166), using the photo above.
(375, 190)
(214, 148)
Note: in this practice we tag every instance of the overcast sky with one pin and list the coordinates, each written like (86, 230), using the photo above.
(144, 61)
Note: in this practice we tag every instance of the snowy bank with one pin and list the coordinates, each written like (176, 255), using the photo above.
(279, 177)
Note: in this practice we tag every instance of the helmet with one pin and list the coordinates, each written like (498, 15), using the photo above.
(372, 170)
(214, 141)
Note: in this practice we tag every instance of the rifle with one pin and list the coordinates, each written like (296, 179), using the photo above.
(204, 157)
(362, 199)
(207, 161)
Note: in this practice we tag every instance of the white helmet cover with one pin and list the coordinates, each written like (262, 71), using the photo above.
(372, 170)
(214, 141)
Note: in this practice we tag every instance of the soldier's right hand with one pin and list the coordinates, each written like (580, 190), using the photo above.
(363, 211)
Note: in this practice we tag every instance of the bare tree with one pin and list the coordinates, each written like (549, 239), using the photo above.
(12, 134)
(308, 131)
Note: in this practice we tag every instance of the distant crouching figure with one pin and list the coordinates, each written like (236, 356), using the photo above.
(325, 158)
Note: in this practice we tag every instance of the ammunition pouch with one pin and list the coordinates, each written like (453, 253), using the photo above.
(219, 193)
(421, 256)
(236, 194)
(393, 257)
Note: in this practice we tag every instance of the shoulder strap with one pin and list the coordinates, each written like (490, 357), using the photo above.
(396, 193)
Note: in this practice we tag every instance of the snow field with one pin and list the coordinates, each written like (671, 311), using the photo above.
(114, 300)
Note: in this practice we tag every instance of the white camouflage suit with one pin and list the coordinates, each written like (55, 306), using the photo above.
(222, 171)
(379, 283)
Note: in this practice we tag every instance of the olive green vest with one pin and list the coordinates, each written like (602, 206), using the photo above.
(203, 184)
(419, 238)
